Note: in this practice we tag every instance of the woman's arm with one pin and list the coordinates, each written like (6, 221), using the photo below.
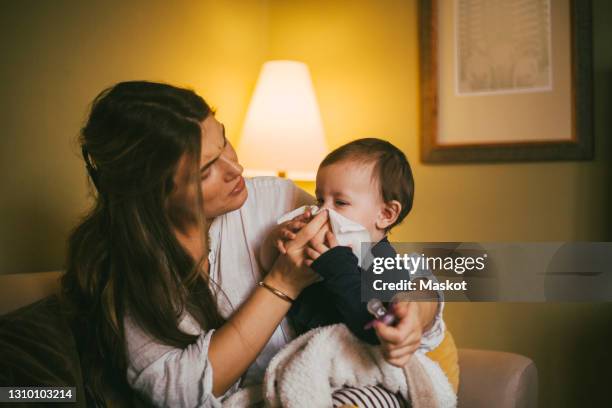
(200, 373)
(197, 374)
(236, 344)
(399, 342)
(239, 341)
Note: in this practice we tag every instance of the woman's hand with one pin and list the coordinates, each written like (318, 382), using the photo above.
(291, 272)
(399, 342)
(287, 230)
(274, 244)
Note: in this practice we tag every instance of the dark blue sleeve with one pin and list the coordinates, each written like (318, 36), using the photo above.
(313, 308)
(342, 281)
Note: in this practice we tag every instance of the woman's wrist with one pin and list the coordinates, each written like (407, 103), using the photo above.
(279, 282)
(425, 304)
(284, 277)
(426, 312)
(278, 293)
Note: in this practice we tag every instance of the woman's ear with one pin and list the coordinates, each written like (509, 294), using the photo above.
(388, 214)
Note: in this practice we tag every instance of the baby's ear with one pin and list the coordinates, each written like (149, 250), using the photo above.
(388, 214)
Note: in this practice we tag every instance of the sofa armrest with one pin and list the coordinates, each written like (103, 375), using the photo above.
(496, 379)
(18, 290)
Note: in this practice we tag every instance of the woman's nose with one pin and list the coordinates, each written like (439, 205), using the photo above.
(231, 166)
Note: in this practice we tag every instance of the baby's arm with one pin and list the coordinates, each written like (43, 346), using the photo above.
(341, 274)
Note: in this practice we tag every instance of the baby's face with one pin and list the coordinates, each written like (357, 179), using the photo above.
(348, 188)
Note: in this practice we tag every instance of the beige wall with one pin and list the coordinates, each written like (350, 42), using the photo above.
(363, 57)
(57, 55)
(364, 62)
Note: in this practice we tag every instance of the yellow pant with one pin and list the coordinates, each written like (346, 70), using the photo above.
(446, 356)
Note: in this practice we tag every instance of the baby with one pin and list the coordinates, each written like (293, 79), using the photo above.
(369, 182)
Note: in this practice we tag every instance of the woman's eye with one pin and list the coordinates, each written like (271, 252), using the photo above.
(341, 203)
(205, 175)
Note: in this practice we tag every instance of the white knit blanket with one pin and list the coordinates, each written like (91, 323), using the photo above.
(306, 372)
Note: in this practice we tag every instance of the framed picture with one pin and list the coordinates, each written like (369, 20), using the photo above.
(506, 80)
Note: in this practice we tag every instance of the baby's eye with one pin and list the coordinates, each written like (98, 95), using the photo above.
(341, 203)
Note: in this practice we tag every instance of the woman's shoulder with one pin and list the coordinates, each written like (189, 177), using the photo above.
(270, 183)
(275, 195)
(269, 192)
(269, 198)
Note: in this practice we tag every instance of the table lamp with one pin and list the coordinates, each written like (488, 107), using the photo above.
(283, 132)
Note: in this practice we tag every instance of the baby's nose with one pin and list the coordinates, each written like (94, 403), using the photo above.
(325, 206)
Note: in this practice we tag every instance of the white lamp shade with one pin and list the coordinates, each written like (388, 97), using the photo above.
(283, 131)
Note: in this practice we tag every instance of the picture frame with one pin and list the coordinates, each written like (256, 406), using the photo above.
(481, 114)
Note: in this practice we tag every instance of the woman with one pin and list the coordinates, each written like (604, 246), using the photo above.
(162, 273)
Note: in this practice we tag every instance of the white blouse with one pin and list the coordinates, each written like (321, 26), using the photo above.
(172, 376)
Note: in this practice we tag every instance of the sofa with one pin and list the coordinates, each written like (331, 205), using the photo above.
(487, 378)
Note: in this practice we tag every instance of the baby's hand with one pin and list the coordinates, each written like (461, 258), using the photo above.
(317, 247)
(287, 230)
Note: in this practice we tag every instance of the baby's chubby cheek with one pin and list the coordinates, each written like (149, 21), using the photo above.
(363, 218)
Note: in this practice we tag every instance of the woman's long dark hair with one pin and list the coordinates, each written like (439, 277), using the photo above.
(123, 256)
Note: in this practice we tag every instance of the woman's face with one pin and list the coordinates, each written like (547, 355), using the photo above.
(223, 187)
(222, 184)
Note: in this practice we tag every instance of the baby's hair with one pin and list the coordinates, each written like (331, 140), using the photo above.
(391, 170)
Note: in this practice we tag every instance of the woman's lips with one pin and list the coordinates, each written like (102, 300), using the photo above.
(239, 187)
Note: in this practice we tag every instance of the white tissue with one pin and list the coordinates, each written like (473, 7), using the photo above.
(347, 232)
